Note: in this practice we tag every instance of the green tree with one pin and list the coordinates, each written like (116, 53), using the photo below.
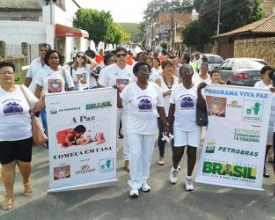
(194, 34)
(99, 24)
(233, 14)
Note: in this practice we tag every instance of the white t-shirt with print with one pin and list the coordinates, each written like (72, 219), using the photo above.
(32, 73)
(185, 101)
(109, 75)
(14, 114)
(142, 113)
(53, 81)
(81, 78)
(164, 88)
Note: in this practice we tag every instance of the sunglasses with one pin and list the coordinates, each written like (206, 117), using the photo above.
(121, 55)
(82, 57)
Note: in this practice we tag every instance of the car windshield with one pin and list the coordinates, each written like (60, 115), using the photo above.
(250, 64)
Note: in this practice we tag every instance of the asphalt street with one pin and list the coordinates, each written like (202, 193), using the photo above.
(165, 201)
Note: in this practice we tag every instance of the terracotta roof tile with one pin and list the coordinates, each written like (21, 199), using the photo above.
(266, 25)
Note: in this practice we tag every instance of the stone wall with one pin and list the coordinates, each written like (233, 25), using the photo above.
(262, 48)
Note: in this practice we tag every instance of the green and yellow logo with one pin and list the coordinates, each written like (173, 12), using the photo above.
(229, 170)
(98, 105)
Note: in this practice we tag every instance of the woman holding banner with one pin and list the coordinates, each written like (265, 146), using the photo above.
(182, 114)
(145, 103)
(52, 79)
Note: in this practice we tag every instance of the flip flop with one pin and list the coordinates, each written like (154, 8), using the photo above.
(7, 204)
(27, 189)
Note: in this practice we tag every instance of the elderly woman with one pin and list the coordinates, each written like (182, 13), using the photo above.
(15, 132)
(203, 75)
(182, 113)
(52, 79)
(145, 103)
(167, 81)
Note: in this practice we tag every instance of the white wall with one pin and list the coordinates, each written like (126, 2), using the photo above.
(15, 32)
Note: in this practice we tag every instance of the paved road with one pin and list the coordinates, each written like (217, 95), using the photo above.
(165, 201)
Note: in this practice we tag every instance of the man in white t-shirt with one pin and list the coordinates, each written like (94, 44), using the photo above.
(36, 65)
(119, 74)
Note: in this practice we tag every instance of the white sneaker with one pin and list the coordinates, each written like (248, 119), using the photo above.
(189, 185)
(134, 193)
(145, 187)
(173, 175)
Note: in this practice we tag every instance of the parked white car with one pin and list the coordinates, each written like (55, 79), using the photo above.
(213, 60)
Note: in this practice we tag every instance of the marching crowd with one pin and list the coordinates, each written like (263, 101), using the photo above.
(155, 91)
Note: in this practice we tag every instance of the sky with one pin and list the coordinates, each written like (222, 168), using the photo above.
(122, 10)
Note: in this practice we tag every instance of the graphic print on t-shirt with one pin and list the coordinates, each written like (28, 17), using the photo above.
(81, 78)
(12, 107)
(54, 85)
(144, 103)
(121, 83)
(187, 102)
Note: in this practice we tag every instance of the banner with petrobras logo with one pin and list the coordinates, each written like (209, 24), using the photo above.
(235, 142)
(82, 138)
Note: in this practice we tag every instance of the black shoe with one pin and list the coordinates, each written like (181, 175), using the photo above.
(266, 175)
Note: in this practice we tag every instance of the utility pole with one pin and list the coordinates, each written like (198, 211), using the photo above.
(172, 26)
(219, 15)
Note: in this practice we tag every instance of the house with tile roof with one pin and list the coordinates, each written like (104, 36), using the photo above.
(252, 40)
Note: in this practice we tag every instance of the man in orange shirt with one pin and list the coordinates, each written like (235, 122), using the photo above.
(99, 57)
(130, 58)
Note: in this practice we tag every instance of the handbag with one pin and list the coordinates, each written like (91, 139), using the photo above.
(38, 136)
(201, 117)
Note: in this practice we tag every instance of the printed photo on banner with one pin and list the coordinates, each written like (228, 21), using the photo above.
(216, 105)
(62, 172)
(81, 135)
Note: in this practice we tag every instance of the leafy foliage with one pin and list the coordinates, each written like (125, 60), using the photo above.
(133, 31)
(194, 34)
(233, 14)
(100, 26)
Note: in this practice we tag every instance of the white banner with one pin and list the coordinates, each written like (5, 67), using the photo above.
(82, 138)
(235, 142)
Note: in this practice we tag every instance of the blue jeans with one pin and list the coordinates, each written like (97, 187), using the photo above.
(43, 115)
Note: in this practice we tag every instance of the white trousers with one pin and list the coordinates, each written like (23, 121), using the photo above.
(141, 150)
(122, 115)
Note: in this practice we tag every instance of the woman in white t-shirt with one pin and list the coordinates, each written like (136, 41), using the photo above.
(52, 79)
(144, 101)
(266, 83)
(167, 81)
(156, 66)
(15, 132)
(182, 114)
(203, 75)
(81, 72)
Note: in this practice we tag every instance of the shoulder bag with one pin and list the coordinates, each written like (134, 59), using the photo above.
(38, 135)
(201, 117)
